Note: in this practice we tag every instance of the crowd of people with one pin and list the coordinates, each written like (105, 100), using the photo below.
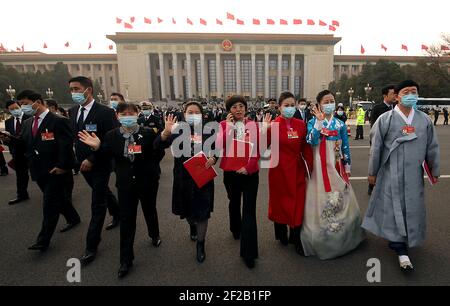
(311, 200)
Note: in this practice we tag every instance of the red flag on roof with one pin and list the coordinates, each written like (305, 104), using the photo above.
(335, 23)
(230, 16)
(189, 21)
(363, 50)
(384, 47)
(297, 21)
(424, 47)
(110, 47)
(90, 46)
(239, 22)
(445, 48)
(45, 46)
(311, 22)
(160, 20)
(322, 23)
(283, 22)
(332, 28)
(405, 47)
(270, 22)
(256, 21)
(147, 20)
(203, 21)
(132, 19)
(66, 44)
(174, 21)
(118, 20)
(127, 25)
(219, 22)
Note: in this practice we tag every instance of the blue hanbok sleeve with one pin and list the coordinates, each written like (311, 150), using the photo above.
(314, 128)
(345, 147)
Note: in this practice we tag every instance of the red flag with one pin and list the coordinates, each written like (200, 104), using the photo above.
(132, 19)
(322, 24)
(90, 46)
(384, 47)
(239, 22)
(118, 20)
(335, 23)
(363, 50)
(2, 48)
(283, 22)
(147, 20)
(311, 22)
(203, 21)
(297, 21)
(160, 20)
(331, 28)
(230, 16)
(127, 25)
(424, 47)
(270, 22)
(445, 48)
(189, 21)
(66, 44)
(174, 21)
(110, 47)
(45, 46)
(219, 22)
(256, 21)
(18, 49)
(23, 48)
(405, 47)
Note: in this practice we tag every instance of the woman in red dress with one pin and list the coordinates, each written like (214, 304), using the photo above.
(291, 160)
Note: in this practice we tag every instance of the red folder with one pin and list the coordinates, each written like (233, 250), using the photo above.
(196, 168)
(430, 176)
(238, 155)
(1, 149)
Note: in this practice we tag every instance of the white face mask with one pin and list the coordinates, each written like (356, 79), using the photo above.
(302, 107)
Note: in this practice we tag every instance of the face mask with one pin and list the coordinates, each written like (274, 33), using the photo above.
(288, 112)
(146, 112)
(28, 109)
(78, 97)
(194, 119)
(329, 108)
(128, 121)
(340, 113)
(114, 104)
(16, 113)
(302, 107)
(410, 100)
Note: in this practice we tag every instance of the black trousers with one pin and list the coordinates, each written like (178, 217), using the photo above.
(436, 118)
(98, 180)
(243, 187)
(399, 247)
(446, 120)
(281, 233)
(145, 192)
(54, 203)
(359, 132)
(68, 210)
(2, 162)
(22, 177)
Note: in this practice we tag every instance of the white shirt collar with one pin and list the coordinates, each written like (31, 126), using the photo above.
(387, 104)
(408, 120)
(42, 116)
(88, 107)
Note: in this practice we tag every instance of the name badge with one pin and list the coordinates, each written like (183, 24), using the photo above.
(408, 130)
(151, 124)
(328, 132)
(292, 134)
(47, 136)
(91, 127)
(134, 149)
(196, 139)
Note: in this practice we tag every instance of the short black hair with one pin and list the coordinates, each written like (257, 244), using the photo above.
(84, 81)
(235, 99)
(406, 83)
(187, 104)
(272, 100)
(119, 95)
(285, 95)
(302, 100)
(11, 102)
(323, 94)
(385, 90)
(51, 102)
(122, 107)
(30, 95)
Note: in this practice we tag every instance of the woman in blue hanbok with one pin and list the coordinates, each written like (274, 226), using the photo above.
(332, 220)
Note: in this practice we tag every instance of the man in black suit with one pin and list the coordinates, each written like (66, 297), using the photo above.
(381, 108)
(303, 112)
(149, 119)
(13, 126)
(47, 140)
(99, 119)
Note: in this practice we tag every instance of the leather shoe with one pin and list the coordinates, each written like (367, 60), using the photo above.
(124, 269)
(299, 249)
(68, 227)
(249, 262)
(38, 247)
(114, 223)
(88, 257)
(156, 241)
(201, 255)
(193, 232)
(18, 200)
(236, 235)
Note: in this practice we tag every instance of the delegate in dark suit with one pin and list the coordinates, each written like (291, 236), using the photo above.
(304, 115)
(99, 119)
(378, 110)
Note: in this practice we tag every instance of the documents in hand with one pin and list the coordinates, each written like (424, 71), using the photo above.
(430, 176)
(197, 169)
(238, 155)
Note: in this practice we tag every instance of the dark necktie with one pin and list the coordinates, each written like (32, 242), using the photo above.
(18, 126)
(80, 122)
(35, 126)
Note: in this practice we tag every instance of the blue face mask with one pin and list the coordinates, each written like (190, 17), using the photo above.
(78, 97)
(114, 104)
(128, 121)
(146, 112)
(28, 109)
(410, 100)
(16, 113)
(328, 109)
(288, 112)
(194, 119)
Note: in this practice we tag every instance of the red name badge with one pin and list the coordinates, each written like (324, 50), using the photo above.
(328, 132)
(47, 136)
(196, 139)
(408, 130)
(134, 149)
(292, 134)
